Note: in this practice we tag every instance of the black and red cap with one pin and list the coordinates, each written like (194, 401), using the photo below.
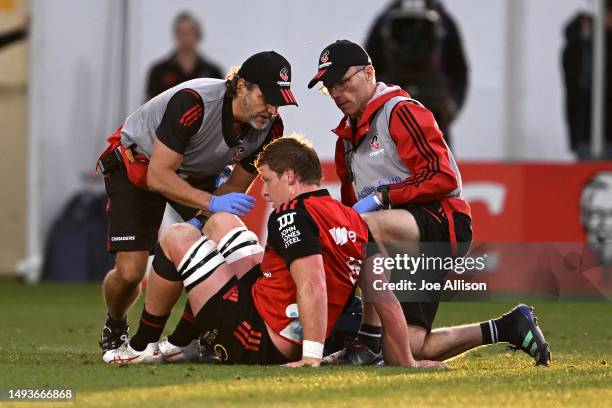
(336, 59)
(272, 73)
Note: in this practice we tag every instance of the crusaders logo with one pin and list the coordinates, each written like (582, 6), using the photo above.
(238, 152)
(325, 56)
(284, 74)
(374, 143)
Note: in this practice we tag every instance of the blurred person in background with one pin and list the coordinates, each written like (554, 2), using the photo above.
(416, 44)
(185, 62)
(171, 150)
(18, 33)
(596, 216)
(577, 62)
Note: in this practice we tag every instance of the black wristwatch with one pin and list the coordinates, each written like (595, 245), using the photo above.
(384, 191)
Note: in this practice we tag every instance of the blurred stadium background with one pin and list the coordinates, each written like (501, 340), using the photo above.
(83, 69)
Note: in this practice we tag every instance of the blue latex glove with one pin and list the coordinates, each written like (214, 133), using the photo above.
(234, 203)
(196, 223)
(367, 204)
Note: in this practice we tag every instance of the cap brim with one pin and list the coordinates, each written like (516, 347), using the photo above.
(279, 96)
(333, 75)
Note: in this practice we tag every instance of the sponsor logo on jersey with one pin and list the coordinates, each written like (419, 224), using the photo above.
(220, 351)
(341, 235)
(291, 235)
(125, 238)
(285, 220)
(210, 336)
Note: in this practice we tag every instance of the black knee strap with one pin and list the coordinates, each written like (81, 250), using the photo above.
(164, 266)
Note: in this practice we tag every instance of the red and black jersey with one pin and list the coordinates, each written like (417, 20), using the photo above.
(312, 223)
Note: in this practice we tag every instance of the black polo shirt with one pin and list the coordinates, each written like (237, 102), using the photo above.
(167, 73)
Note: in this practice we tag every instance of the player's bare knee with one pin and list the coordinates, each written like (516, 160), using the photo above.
(219, 224)
(130, 267)
(373, 222)
(394, 225)
(180, 231)
(177, 238)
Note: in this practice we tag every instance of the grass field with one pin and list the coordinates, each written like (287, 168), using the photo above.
(49, 340)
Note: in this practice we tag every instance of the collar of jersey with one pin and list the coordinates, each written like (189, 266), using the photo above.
(355, 134)
(317, 193)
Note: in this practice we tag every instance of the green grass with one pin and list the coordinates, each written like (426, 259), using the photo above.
(49, 340)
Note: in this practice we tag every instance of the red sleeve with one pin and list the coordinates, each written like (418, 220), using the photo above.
(347, 193)
(422, 148)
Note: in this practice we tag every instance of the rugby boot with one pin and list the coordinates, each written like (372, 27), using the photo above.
(356, 353)
(113, 335)
(526, 335)
(125, 354)
(175, 354)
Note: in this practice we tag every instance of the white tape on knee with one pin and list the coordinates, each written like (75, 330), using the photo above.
(199, 262)
(239, 243)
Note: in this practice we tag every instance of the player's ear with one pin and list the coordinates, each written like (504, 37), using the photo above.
(370, 73)
(291, 177)
(241, 87)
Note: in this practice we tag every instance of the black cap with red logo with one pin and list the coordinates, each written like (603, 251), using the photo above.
(336, 59)
(272, 72)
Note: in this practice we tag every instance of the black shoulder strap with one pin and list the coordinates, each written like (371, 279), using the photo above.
(348, 158)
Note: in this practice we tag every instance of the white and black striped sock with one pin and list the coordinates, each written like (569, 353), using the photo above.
(489, 331)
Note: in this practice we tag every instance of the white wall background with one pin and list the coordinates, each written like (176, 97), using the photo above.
(77, 98)
(299, 31)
